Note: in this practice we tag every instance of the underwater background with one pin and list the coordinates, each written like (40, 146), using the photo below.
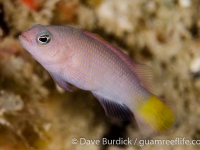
(36, 114)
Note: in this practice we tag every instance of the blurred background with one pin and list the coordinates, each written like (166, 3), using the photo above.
(36, 114)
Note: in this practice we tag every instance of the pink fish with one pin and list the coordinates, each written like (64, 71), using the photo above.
(73, 56)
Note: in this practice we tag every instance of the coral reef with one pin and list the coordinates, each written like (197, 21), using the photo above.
(34, 114)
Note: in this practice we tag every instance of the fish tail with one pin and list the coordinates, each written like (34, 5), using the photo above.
(154, 116)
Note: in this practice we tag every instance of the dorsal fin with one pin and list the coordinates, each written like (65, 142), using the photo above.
(143, 72)
(145, 76)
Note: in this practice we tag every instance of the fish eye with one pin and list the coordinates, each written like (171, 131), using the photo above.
(44, 37)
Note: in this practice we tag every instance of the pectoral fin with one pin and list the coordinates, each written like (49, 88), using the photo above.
(62, 83)
(114, 109)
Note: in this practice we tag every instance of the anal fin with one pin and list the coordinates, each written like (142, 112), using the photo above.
(114, 109)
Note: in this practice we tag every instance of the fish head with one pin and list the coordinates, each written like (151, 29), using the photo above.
(47, 44)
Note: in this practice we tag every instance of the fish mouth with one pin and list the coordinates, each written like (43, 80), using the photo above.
(24, 38)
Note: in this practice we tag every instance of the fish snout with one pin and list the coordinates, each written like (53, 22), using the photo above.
(24, 38)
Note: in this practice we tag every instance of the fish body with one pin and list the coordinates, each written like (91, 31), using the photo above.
(80, 58)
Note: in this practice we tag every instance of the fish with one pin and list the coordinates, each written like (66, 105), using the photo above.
(122, 85)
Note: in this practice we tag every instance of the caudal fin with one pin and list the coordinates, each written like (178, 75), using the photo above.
(154, 116)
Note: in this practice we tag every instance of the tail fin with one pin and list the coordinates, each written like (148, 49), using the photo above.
(154, 116)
